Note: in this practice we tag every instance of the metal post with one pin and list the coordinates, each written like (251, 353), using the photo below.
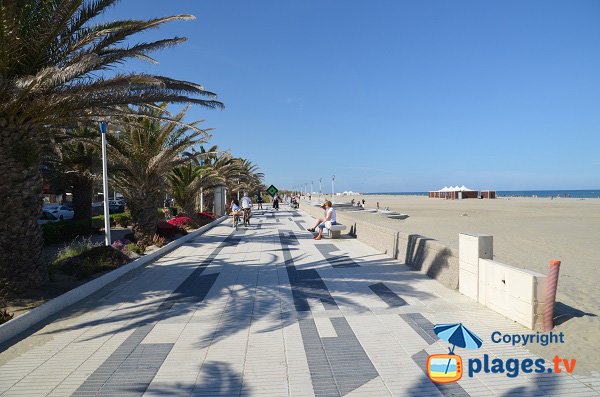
(107, 240)
(201, 199)
(311, 187)
(320, 188)
(550, 298)
(332, 187)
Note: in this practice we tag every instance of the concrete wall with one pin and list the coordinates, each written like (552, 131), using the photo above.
(418, 252)
(513, 292)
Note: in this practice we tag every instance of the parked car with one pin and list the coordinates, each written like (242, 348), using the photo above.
(115, 208)
(47, 217)
(62, 212)
(117, 202)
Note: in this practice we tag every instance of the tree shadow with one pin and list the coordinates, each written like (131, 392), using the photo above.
(218, 379)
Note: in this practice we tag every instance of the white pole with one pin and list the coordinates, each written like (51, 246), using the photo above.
(311, 187)
(201, 199)
(320, 188)
(107, 240)
(332, 187)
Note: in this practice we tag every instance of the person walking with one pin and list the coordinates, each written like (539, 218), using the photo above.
(259, 201)
(276, 201)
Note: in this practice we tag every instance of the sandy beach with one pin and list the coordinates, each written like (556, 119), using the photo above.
(528, 232)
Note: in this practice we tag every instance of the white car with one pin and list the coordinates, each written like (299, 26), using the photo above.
(47, 217)
(60, 211)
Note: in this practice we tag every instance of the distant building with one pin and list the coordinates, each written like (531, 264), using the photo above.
(458, 193)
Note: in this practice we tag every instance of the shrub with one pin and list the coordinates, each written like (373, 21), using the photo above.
(92, 261)
(167, 230)
(5, 315)
(208, 215)
(60, 232)
(123, 219)
(127, 247)
(133, 247)
(158, 241)
(71, 250)
(183, 222)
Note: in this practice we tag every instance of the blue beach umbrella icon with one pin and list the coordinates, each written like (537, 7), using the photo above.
(457, 335)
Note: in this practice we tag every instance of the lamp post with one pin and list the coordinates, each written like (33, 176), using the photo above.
(311, 188)
(103, 129)
(332, 187)
(320, 188)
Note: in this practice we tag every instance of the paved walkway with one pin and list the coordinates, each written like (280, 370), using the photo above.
(266, 311)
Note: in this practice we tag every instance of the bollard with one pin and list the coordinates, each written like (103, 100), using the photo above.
(550, 298)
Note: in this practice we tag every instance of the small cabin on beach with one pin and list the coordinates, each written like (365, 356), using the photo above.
(454, 193)
(487, 194)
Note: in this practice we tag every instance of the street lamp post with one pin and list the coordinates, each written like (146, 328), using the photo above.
(103, 130)
(311, 187)
(320, 188)
(332, 187)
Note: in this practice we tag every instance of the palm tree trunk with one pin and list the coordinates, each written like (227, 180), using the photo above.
(83, 192)
(21, 239)
(144, 216)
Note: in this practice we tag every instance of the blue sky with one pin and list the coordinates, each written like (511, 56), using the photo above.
(395, 95)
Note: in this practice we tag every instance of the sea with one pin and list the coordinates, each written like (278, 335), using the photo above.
(518, 193)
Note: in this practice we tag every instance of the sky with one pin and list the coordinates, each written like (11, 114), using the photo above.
(394, 95)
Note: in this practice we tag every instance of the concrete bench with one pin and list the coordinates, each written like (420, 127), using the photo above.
(335, 231)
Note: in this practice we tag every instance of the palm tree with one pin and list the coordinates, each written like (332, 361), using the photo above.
(78, 162)
(57, 62)
(186, 181)
(141, 157)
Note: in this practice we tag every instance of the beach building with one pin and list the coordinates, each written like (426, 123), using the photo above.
(487, 194)
(454, 193)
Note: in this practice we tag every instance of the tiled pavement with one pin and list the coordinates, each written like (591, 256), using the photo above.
(266, 311)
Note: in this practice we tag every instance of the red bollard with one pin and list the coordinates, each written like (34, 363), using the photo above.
(550, 298)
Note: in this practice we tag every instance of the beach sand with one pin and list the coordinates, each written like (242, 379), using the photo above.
(528, 232)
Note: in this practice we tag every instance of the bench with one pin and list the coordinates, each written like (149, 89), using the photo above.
(335, 231)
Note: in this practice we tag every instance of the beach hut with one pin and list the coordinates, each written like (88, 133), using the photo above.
(488, 194)
(454, 193)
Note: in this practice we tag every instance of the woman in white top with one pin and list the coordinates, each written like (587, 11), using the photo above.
(330, 219)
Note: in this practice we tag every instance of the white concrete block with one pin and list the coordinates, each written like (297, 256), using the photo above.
(472, 246)
(512, 292)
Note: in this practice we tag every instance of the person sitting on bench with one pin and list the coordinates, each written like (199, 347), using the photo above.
(330, 219)
(319, 220)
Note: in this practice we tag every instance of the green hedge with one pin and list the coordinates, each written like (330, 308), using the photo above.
(123, 219)
(60, 232)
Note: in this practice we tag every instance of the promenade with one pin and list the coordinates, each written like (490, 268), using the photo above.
(268, 311)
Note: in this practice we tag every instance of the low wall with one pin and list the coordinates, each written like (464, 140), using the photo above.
(513, 292)
(420, 253)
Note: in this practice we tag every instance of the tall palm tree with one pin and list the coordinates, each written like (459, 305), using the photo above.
(141, 157)
(57, 67)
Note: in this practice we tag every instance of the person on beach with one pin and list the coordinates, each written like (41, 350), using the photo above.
(330, 219)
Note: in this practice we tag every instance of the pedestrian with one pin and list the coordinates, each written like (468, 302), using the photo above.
(276, 201)
(259, 201)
